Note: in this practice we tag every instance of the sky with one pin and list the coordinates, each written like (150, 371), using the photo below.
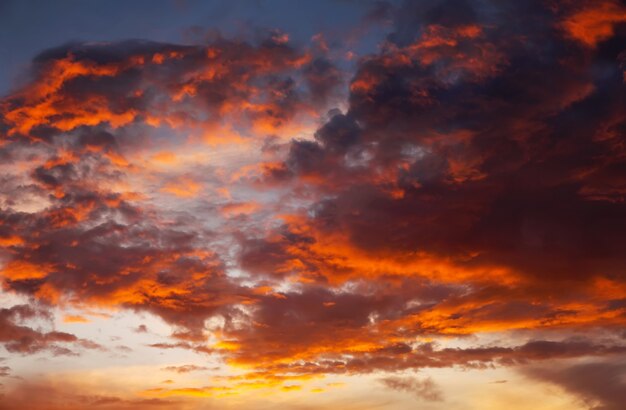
(313, 205)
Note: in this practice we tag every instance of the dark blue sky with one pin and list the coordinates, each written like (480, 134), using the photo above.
(29, 26)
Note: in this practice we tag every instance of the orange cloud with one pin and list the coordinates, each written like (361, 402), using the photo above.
(18, 270)
(183, 188)
(165, 158)
(240, 208)
(75, 319)
(11, 241)
(594, 22)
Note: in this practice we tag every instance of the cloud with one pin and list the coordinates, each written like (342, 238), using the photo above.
(40, 395)
(424, 389)
(598, 384)
(25, 340)
(594, 21)
(185, 368)
(212, 80)
(141, 329)
(473, 183)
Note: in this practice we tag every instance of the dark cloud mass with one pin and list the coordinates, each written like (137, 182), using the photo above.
(472, 184)
(600, 385)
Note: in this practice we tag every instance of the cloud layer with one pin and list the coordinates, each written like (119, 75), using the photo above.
(473, 183)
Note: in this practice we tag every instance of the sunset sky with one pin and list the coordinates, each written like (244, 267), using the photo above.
(307, 205)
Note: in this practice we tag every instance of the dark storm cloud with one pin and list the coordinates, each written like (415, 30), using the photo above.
(339, 133)
(515, 145)
(484, 144)
(322, 78)
(599, 384)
